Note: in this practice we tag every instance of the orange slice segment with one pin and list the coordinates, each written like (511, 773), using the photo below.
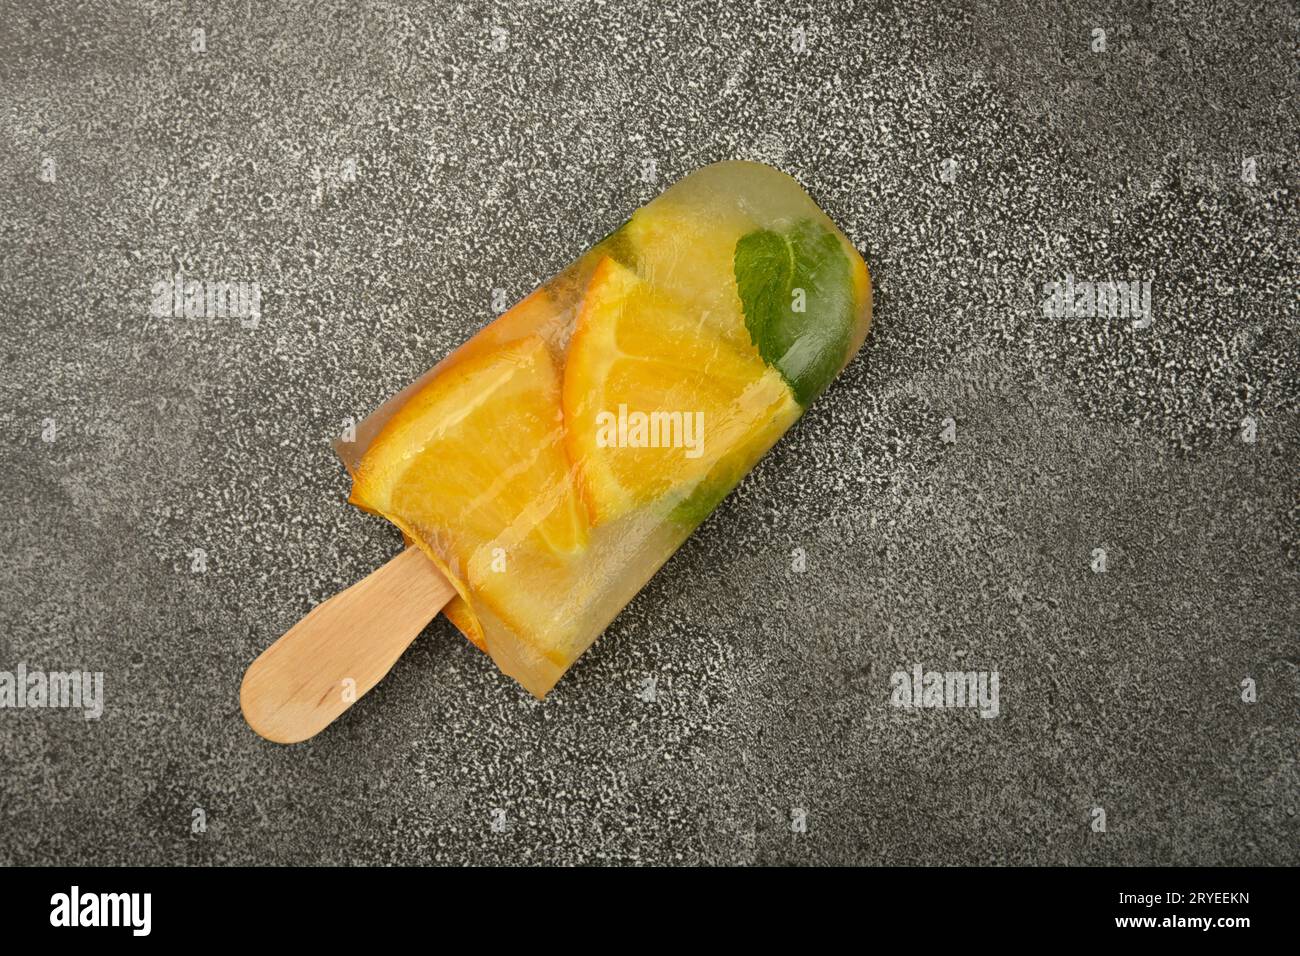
(686, 249)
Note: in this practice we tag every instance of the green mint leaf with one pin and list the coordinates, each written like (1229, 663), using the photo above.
(617, 246)
(776, 274)
(699, 504)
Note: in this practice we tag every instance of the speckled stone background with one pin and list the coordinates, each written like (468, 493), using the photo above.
(492, 143)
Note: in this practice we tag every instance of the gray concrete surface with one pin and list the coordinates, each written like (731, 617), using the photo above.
(481, 168)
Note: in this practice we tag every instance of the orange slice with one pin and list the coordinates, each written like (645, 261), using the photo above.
(473, 468)
(637, 350)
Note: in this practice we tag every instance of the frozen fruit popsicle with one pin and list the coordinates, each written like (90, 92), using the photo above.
(552, 463)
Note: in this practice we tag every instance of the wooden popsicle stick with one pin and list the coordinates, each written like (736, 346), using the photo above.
(341, 649)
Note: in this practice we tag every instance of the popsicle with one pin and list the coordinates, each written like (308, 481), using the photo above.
(550, 465)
